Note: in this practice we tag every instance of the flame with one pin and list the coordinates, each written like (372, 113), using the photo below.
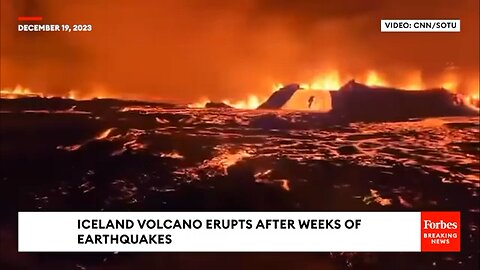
(374, 79)
(473, 100)
(251, 103)
(413, 81)
(21, 92)
(18, 92)
(277, 86)
(450, 85)
(200, 104)
(197, 105)
(72, 94)
(332, 80)
(328, 81)
(450, 81)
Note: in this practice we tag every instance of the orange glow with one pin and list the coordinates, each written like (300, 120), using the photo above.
(200, 104)
(173, 154)
(181, 51)
(375, 197)
(104, 134)
(299, 101)
(450, 85)
(21, 92)
(374, 79)
(224, 160)
(70, 148)
(285, 184)
(450, 82)
(413, 81)
(330, 80)
(71, 95)
(472, 100)
(251, 103)
(17, 92)
(277, 86)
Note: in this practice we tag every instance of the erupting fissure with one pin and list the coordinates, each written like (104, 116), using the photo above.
(333, 81)
(19, 92)
(324, 82)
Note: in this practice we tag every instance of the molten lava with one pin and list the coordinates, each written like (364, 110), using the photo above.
(104, 134)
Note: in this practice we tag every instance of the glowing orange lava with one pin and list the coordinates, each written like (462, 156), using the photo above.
(104, 134)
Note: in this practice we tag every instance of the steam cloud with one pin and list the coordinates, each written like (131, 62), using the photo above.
(185, 50)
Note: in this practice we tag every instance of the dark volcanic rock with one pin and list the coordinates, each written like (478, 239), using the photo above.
(348, 150)
(96, 105)
(280, 97)
(358, 102)
(217, 105)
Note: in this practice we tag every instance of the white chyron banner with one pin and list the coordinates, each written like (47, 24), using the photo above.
(218, 231)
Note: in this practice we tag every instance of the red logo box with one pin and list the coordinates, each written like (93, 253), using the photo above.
(440, 231)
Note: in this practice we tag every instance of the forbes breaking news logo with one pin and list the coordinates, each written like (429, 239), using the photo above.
(440, 231)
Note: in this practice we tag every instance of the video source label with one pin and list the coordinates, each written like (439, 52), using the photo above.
(420, 25)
